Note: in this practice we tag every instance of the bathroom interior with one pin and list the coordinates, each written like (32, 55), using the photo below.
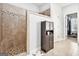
(14, 34)
(25, 32)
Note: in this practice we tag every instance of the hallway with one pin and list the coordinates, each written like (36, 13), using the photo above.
(64, 48)
(72, 39)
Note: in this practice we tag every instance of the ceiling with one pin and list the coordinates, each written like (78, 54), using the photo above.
(47, 12)
(40, 4)
(64, 4)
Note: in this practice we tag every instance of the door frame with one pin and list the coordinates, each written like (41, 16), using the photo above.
(65, 25)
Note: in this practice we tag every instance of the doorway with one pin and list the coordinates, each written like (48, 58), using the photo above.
(72, 27)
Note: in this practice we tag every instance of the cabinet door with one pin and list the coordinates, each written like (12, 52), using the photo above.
(47, 45)
(47, 26)
(51, 41)
(51, 26)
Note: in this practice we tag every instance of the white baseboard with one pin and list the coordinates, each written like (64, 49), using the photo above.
(35, 50)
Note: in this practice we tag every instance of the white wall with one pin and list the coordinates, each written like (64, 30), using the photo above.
(32, 7)
(57, 16)
(35, 30)
(27, 6)
(44, 7)
(73, 8)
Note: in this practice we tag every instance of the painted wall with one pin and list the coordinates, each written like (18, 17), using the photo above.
(73, 8)
(57, 16)
(35, 30)
(44, 7)
(27, 6)
(32, 7)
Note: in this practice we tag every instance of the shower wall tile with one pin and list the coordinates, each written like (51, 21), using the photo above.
(12, 29)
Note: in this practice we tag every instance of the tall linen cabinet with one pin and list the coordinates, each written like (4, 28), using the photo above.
(12, 29)
(47, 36)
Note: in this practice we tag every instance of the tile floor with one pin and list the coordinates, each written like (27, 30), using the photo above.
(66, 47)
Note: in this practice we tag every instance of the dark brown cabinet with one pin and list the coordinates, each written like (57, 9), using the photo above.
(47, 38)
